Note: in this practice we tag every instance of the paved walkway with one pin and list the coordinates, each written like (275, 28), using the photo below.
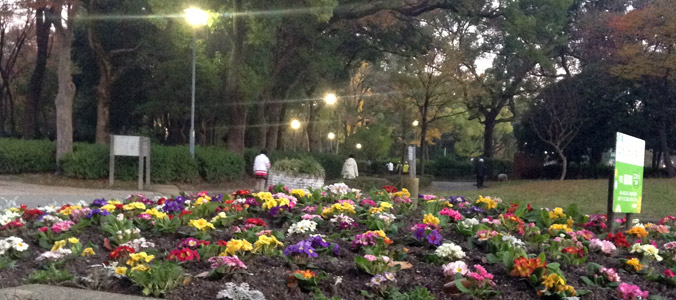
(448, 186)
(37, 195)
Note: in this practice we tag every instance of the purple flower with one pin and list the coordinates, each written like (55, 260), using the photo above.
(217, 198)
(336, 250)
(173, 206)
(477, 209)
(419, 233)
(251, 202)
(179, 199)
(97, 211)
(302, 247)
(456, 199)
(434, 238)
(191, 243)
(100, 202)
(318, 241)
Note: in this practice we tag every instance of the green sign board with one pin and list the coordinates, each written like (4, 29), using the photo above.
(629, 159)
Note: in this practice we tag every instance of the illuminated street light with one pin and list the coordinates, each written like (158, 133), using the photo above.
(415, 123)
(196, 17)
(332, 136)
(295, 124)
(330, 99)
(358, 146)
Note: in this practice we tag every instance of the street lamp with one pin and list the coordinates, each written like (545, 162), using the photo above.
(295, 125)
(330, 99)
(415, 123)
(358, 146)
(195, 17)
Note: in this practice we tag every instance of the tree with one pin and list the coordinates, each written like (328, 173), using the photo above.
(43, 25)
(647, 55)
(64, 97)
(556, 117)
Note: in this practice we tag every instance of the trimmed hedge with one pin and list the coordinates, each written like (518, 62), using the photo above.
(217, 165)
(21, 156)
(449, 168)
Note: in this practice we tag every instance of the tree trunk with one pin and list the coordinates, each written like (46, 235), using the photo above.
(65, 95)
(423, 144)
(274, 111)
(236, 132)
(665, 148)
(280, 128)
(42, 29)
(262, 138)
(564, 163)
(489, 130)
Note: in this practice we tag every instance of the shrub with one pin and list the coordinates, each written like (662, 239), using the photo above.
(20, 156)
(294, 167)
(447, 167)
(172, 164)
(366, 183)
(217, 164)
(86, 162)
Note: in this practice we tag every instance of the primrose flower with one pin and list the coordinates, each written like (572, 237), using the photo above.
(430, 219)
(488, 202)
(201, 224)
(231, 261)
(557, 213)
(184, 255)
(264, 240)
(235, 246)
(631, 292)
(451, 269)
(451, 213)
(449, 250)
(88, 251)
(303, 226)
(635, 264)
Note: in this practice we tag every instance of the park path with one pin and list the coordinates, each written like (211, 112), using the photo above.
(450, 186)
(37, 195)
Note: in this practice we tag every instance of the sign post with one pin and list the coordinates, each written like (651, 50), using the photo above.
(625, 188)
(124, 145)
(412, 183)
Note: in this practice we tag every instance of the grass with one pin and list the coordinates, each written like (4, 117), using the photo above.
(659, 195)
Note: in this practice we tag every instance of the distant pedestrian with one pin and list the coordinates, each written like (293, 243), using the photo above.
(405, 168)
(350, 168)
(390, 167)
(480, 170)
(261, 167)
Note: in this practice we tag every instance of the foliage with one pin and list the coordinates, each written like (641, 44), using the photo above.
(159, 279)
(217, 165)
(419, 293)
(305, 166)
(20, 156)
(50, 275)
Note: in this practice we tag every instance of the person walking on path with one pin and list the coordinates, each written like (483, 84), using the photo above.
(390, 168)
(480, 170)
(350, 169)
(261, 167)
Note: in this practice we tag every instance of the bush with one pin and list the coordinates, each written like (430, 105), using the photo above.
(216, 164)
(294, 167)
(20, 156)
(498, 166)
(86, 162)
(172, 164)
(366, 183)
(447, 167)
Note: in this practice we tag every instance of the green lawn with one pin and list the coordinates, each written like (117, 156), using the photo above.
(659, 195)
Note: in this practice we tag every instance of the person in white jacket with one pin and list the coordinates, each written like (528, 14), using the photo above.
(260, 167)
(350, 169)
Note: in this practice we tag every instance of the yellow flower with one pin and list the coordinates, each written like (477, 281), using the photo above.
(58, 245)
(406, 193)
(570, 222)
(553, 280)
(639, 231)
(15, 209)
(155, 213)
(431, 219)
(88, 251)
(559, 227)
(73, 240)
(121, 271)
(490, 204)
(135, 258)
(635, 264)
(134, 205)
(201, 224)
(557, 213)
(385, 205)
(220, 215)
(114, 202)
(448, 204)
(380, 233)
(298, 193)
(234, 246)
(265, 240)
(202, 200)
(269, 203)
(140, 268)
(375, 210)
(109, 207)
(68, 210)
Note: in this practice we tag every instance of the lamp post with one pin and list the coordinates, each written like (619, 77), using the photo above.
(331, 137)
(295, 125)
(331, 99)
(358, 146)
(195, 17)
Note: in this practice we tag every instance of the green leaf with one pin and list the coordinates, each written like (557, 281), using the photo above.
(587, 280)
(458, 284)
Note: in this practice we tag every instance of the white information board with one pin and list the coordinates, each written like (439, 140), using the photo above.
(127, 145)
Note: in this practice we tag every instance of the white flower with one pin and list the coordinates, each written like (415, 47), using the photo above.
(387, 218)
(120, 217)
(513, 241)
(342, 218)
(636, 248)
(21, 246)
(303, 227)
(54, 255)
(450, 251)
(455, 267)
(470, 222)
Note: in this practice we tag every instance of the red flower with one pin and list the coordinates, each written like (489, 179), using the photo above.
(255, 221)
(185, 212)
(161, 201)
(43, 229)
(237, 207)
(229, 201)
(619, 239)
(183, 255)
(390, 189)
(119, 206)
(243, 192)
(203, 243)
(121, 251)
(575, 251)
(13, 224)
(222, 243)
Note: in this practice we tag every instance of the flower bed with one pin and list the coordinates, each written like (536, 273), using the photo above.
(334, 242)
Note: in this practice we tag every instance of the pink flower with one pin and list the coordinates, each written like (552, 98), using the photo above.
(145, 216)
(310, 217)
(309, 209)
(43, 229)
(452, 214)
(386, 259)
(346, 201)
(455, 267)
(631, 292)
(611, 274)
(370, 257)
(62, 226)
(668, 273)
(670, 245)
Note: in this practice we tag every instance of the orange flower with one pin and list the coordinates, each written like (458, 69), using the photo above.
(639, 231)
(524, 267)
(307, 274)
(388, 241)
